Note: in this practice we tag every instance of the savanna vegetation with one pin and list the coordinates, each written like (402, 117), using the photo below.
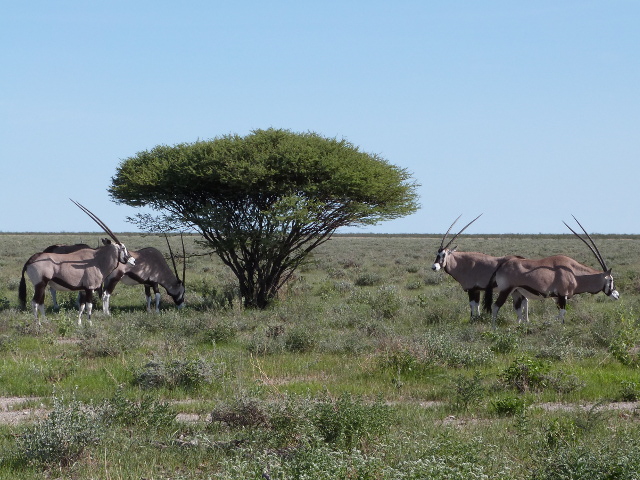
(366, 367)
(264, 201)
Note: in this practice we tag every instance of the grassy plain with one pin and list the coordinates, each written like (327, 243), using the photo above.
(368, 367)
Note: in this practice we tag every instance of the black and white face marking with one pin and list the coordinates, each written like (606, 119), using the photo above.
(124, 256)
(441, 259)
(609, 289)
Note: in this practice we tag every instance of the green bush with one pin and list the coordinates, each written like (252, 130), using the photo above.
(347, 421)
(625, 346)
(62, 437)
(189, 374)
(368, 279)
(525, 374)
(299, 339)
(467, 391)
(629, 391)
(147, 413)
(508, 405)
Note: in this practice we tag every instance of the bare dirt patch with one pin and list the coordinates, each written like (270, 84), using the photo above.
(13, 410)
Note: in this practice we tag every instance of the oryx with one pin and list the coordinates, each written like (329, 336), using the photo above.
(62, 248)
(82, 270)
(150, 270)
(473, 271)
(559, 276)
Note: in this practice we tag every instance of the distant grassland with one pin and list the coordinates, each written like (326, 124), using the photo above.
(367, 367)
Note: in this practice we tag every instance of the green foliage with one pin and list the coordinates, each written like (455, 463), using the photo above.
(62, 437)
(299, 339)
(525, 374)
(625, 346)
(629, 391)
(467, 391)
(98, 342)
(598, 460)
(503, 342)
(148, 413)
(190, 374)
(420, 365)
(344, 422)
(347, 421)
(508, 405)
(264, 201)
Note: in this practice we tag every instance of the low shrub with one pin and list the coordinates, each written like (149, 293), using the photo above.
(188, 374)
(467, 391)
(147, 413)
(508, 405)
(62, 437)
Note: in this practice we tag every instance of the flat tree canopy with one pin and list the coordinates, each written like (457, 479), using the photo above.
(262, 202)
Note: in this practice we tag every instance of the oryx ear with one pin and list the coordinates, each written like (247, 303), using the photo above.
(453, 249)
(608, 272)
(106, 241)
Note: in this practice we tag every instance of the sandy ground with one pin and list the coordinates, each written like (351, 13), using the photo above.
(14, 410)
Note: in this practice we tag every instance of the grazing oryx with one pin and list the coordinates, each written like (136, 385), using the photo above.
(560, 277)
(473, 271)
(150, 270)
(82, 270)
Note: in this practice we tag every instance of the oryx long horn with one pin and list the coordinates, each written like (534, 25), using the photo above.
(173, 261)
(184, 260)
(465, 227)
(98, 221)
(445, 235)
(593, 249)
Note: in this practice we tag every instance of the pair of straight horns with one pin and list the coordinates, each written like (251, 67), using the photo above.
(592, 247)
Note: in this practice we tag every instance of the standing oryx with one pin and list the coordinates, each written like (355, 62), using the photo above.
(560, 277)
(61, 248)
(150, 270)
(82, 270)
(473, 271)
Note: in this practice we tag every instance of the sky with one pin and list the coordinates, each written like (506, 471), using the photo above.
(526, 112)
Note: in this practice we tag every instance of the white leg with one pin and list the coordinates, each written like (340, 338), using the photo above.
(81, 311)
(89, 309)
(148, 297)
(37, 307)
(158, 302)
(105, 303)
(525, 308)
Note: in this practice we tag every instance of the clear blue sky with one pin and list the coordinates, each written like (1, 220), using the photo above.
(526, 111)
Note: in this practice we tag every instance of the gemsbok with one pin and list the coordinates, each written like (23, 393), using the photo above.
(150, 270)
(82, 270)
(559, 277)
(474, 272)
(62, 248)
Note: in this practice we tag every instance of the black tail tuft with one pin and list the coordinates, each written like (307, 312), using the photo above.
(488, 298)
(22, 293)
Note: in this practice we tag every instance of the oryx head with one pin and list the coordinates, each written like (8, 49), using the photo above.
(123, 254)
(444, 251)
(607, 288)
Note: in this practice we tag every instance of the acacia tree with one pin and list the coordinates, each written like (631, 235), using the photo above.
(264, 201)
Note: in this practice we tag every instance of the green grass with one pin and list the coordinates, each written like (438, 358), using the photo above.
(365, 322)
